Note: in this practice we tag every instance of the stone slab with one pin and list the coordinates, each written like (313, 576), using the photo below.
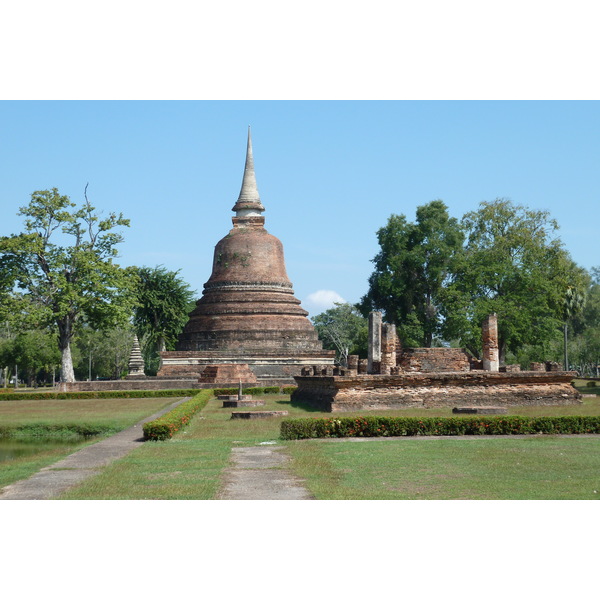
(259, 414)
(479, 410)
(242, 403)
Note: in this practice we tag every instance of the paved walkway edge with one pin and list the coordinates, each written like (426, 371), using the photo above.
(259, 473)
(51, 481)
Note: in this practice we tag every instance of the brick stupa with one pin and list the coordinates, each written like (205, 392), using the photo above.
(248, 313)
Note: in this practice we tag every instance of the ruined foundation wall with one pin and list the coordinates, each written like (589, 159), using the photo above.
(419, 390)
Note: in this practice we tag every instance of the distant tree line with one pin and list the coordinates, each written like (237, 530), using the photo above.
(437, 278)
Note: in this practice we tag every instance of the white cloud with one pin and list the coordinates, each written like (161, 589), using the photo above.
(320, 301)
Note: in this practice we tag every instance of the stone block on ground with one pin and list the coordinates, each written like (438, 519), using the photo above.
(241, 401)
(259, 414)
(479, 410)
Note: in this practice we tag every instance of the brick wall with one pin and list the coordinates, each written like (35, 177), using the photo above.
(433, 360)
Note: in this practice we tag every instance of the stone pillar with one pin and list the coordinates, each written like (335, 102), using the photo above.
(363, 366)
(388, 348)
(353, 365)
(374, 342)
(136, 360)
(489, 333)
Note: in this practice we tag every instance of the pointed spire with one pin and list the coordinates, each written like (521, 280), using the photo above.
(136, 360)
(248, 203)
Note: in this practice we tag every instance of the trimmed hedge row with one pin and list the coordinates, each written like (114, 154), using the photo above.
(297, 429)
(166, 426)
(95, 395)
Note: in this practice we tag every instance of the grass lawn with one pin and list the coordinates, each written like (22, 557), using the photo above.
(428, 468)
(190, 465)
(115, 414)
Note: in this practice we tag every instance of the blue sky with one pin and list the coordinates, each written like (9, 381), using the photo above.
(329, 173)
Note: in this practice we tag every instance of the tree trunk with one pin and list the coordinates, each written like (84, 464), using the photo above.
(67, 375)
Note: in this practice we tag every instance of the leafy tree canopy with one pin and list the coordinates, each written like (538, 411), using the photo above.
(343, 329)
(411, 268)
(163, 303)
(63, 260)
(514, 265)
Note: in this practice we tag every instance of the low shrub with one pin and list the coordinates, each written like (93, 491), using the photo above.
(94, 395)
(289, 390)
(591, 384)
(166, 426)
(376, 426)
(273, 389)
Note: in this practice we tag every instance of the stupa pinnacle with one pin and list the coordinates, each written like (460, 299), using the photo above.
(248, 203)
(248, 313)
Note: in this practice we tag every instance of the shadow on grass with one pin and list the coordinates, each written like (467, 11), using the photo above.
(301, 406)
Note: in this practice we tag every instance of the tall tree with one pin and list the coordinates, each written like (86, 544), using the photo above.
(411, 268)
(72, 280)
(163, 303)
(343, 329)
(514, 265)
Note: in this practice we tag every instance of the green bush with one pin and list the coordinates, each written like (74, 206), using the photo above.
(289, 390)
(591, 384)
(166, 426)
(297, 429)
(106, 394)
(273, 389)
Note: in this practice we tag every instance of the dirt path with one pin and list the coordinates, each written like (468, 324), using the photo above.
(258, 473)
(53, 480)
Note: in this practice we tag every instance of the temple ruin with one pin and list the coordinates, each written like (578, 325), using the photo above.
(397, 377)
(248, 314)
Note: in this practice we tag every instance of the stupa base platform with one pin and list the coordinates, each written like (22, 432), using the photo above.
(226, 373)
(269, 367)
(429, 390)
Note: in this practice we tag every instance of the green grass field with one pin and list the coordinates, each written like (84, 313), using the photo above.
(120, 412)
(113, 414)
(190, 465)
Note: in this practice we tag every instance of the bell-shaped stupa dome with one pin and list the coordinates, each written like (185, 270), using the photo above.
(248, 305)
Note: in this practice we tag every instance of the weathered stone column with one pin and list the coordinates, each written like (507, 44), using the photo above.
(353, 364)
(136, 360)
(489, 334)
(374, 356)
(363, 366)
(388, 348)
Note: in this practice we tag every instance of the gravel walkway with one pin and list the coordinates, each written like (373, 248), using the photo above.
(53, 480)
(258, 473)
